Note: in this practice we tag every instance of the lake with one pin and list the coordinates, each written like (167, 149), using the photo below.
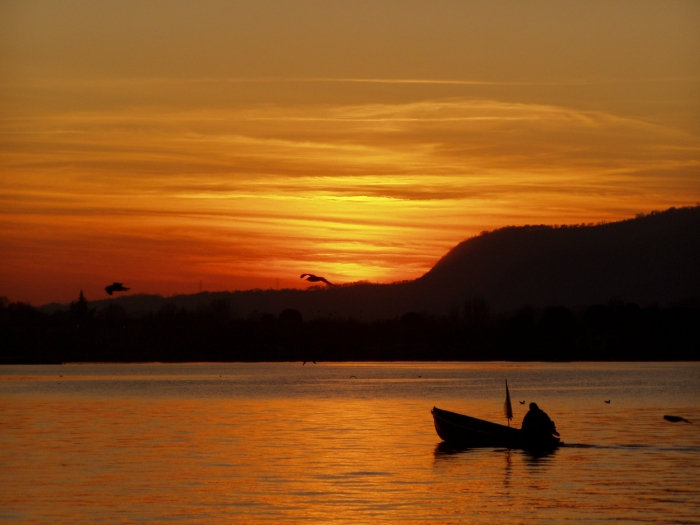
(343, 443)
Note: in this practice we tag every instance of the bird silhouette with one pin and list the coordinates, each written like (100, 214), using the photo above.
(676, 419)
(607, 401)
(315, 279)
(116, 287)
(521, 402)
(314, 362)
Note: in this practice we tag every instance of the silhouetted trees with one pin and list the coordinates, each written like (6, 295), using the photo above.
(601, 332)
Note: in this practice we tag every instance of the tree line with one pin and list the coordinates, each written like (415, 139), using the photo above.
(616, 331)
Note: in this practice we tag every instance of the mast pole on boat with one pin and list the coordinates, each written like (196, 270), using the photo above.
(507, 407)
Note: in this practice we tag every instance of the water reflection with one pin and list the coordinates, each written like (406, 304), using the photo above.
(509, 467)
(232, 443)
(539, 457)
(445, 449)
(445, 452)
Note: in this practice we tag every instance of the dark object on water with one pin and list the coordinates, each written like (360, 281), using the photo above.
(116, 287)
(314, 362)
(607, 401)
(537, 425)
(465, 431)
(507, 407)
(676, 419)
(315, 279)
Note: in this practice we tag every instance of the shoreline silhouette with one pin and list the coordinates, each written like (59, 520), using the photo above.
(627, 291)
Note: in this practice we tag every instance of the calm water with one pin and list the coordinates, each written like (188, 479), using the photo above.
(286, 443)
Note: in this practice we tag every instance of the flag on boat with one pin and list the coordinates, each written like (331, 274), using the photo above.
(507, 407)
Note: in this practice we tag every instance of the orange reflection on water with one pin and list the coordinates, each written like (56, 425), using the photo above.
(112, 456)
(268, 460)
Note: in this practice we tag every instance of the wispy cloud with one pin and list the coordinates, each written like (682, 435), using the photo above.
(372, 191)
(190, 80)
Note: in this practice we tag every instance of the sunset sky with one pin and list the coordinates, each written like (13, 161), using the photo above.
(168, 143)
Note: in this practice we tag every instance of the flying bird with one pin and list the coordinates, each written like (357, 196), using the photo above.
(521, 402)
(675, 419)
(315, 279)
(116, 287)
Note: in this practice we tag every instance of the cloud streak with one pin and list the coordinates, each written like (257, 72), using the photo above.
(362, 191)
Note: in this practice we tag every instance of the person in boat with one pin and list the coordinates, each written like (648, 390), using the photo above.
(537, 423)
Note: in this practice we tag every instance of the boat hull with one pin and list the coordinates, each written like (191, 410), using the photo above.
(467, 432)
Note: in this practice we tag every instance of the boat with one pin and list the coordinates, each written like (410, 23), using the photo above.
(467, 432)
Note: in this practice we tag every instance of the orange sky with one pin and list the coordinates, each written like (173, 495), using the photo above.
(236, 143)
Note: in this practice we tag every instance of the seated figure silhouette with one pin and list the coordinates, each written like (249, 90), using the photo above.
(537, 426)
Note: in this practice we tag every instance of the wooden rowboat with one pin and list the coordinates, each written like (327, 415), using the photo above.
(467, 432)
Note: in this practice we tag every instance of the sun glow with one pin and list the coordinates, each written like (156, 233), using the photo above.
(231, 160)
(356, 201)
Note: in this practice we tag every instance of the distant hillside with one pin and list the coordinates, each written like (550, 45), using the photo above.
(653, 258)
(363, 302)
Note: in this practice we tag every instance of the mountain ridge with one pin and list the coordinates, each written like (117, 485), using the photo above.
(651, 258)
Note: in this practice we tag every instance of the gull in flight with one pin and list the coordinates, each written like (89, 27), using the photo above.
(675, 419)
(116, 287)
(315, 279)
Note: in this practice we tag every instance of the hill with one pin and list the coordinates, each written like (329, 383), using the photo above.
(652, 258)
(621, 291)
(649, 259)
